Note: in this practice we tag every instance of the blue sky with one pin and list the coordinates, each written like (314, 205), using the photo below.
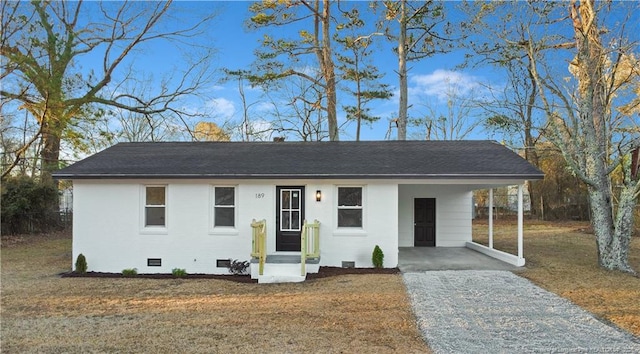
(235, 45)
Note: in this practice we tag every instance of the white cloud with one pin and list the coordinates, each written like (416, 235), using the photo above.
(259, 130)
(264, 107)
(308, 70)
(441, 83)
(251, 88)
(222, 107)
(262, 130)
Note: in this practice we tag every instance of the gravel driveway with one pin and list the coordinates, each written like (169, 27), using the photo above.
(500, 312)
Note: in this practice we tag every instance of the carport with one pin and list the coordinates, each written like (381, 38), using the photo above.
(419, 259)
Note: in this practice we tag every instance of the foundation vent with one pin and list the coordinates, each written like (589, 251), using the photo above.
(348, 264)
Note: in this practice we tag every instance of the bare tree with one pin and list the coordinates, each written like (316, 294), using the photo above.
(17, 149)
(252, 126)
(589, 120)
(511, 110)
(42, 48)
(457, 121)
(297, 110)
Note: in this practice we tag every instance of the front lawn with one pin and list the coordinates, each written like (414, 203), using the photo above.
(42, 312)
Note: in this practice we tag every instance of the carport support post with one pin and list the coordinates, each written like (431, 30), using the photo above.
(520, 222)
(491, 218)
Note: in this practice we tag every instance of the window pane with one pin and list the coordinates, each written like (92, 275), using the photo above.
(225, 196)
(295, 220)
(295, 200)
(154, 216)
(285, 220)
(351, 196)
(224, 217)
(350, 218)
(155, 196)
(286, 200)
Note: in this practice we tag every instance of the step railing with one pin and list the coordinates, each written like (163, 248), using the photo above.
(259, 242)
(309, 244)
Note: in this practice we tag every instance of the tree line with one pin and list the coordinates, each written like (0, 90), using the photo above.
(571, 70)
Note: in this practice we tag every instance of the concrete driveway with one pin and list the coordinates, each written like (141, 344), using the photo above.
(419, 259)
(480, 311)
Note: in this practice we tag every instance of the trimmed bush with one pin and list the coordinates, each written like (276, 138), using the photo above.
(178, 272)
(130, 272)
(377, 258)
(81, 264)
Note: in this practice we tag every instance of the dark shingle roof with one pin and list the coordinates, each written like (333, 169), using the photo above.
(368, 159)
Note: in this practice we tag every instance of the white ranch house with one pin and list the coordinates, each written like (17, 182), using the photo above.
(195, 206)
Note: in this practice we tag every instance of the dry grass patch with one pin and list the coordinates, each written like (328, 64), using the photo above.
(42, 312)
(562, 258)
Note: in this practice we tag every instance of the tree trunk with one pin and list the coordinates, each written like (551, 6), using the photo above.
(530, 152)
(50, 155)
(612, 239)
(601, 220)
(329, 73)
(358, 100)
(402, 73)
(50, 152)
(531, 155)
(618, 250)
(592, 104)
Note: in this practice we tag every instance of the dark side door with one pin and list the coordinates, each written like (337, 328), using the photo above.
(289, 217)
(424, 227)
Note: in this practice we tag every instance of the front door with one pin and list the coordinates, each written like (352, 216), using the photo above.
(424, 227)
(289, 217)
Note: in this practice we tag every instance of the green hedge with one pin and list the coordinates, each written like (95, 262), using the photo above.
(28, 206)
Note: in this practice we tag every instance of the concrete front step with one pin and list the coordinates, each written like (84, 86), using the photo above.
(283, 269)
(281, 273)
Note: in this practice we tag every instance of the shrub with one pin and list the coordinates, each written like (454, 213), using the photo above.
(178, 272)
(238, 267)
(81, 264)
(377, 258)
(28, 206)
(130, 272)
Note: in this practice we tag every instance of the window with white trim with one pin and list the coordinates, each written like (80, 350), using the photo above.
(349, 206)
(224, 207)
(155, 209)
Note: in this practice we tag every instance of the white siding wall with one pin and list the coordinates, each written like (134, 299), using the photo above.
(108, 224)
(453, 213)
(380, 226)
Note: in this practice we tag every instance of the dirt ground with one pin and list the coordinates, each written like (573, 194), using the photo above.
(562, 258)
(42, 312)
(325, 272)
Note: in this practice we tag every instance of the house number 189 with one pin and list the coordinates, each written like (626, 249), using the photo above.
(259, 195)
